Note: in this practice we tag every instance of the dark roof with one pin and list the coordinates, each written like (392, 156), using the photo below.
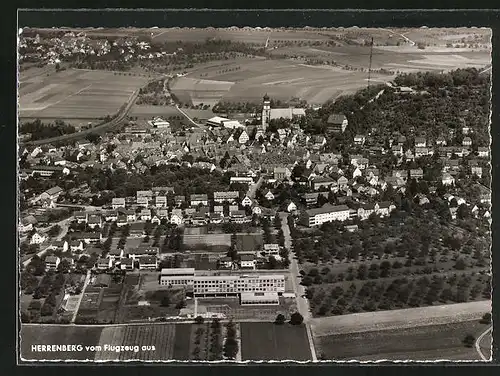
(327, 208)
(336, 119)
(147, 259)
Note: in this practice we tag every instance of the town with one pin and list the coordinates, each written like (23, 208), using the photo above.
(288, 214)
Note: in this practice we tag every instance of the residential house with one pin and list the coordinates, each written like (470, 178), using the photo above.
(116, 254)
(366, 210)
(131, 215)
(281, 173)
(447, 179)
(359, 140)
(342, 182)
(161, 201)
(357, 172)
(238, 216)
(483, 152)
(76, 246)
(247, 261)
(215, 217)
(467, 141)
(270, 249)
(142, 201)
(319, 140)
(416, 174)
(118, 203)
(385, 208)
(37, 238)
(60, 245)
(104, 264)
(148, 194)
(422, 199)
(420, 142)
(111, 216)
(247, 201)
(52, 262)
(269, 195)
(162, 214)
(291, 207)
(179, 200)
(52, 194)
(441, 141)
(422, 152)
(475, 168)
(145, 215)
(196, 200)
(127, 264)
(148, 263)
(397, 150)
(199, 219)
(176, 217)
(94, 220)
(351, 228)
(80, 217)
(336, 123)
(226, 262)
(121, 220)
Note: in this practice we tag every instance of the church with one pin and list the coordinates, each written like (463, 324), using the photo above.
(269, 113)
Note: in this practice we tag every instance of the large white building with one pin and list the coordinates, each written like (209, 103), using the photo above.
(327, 213)
(273, 285)
(218, 121)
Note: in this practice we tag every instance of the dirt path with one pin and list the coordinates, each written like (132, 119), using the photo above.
(399, 319)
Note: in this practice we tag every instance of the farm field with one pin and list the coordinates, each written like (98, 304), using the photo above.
(160, 337)
(76, 94)
(399, 319)
(58, 335)
(148, 112)
(434, 342)
(267, 341)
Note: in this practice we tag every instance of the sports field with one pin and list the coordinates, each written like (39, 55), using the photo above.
(75, 94)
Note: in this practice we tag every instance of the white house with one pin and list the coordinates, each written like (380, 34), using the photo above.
(118, 203)
(269, 195)
(291, 207)
(247, 201)
(52, 262)
(247, 261)
(176, 217)
(357, 172)
(145, 215)
(37, 238)
(447, 179)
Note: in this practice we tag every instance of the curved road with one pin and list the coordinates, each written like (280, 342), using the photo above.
(478, 343)
(99, 128)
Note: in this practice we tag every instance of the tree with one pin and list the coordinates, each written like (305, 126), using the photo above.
(469, 340)
(165, 301)
(280, 319)
(181, 304)
(54, 231)
(93, 137)
(230, 348)
(460, 264)
(199, 320)
(486, 319)
(296, 318)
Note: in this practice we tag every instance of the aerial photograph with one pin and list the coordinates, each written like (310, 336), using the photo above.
(254, 194)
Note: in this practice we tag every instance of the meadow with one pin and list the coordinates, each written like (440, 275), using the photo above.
(76, 94)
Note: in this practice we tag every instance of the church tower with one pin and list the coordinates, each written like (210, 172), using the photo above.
(266, 112)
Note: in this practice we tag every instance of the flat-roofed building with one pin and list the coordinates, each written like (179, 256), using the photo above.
(259, 298)
(177, 277)
(327, 213)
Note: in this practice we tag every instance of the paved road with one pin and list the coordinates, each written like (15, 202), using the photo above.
(87, 280)
(478, 343)
(253, 188)
(302, 303)
(189, 118)
(97, 129)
